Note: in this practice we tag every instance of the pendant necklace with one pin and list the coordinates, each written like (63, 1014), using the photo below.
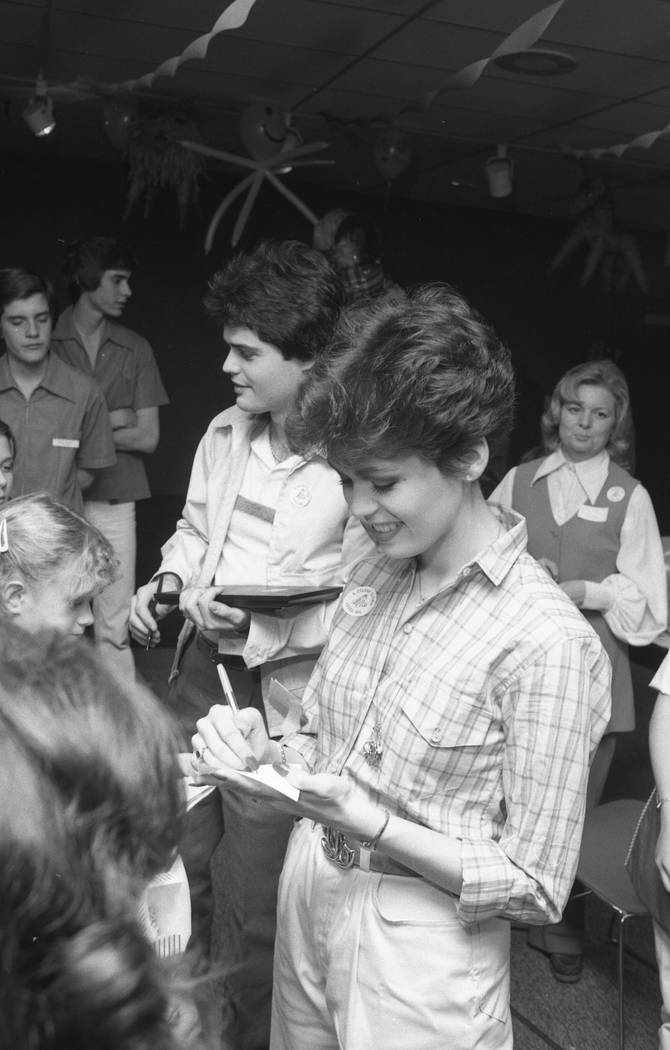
(372, 748)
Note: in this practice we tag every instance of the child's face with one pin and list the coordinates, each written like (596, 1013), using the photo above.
(6, 469)
(47, 606)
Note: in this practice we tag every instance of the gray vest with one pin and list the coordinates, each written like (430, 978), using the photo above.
(584, 550)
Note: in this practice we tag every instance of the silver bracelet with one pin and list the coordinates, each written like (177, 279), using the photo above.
(372, 843)
(282, 755)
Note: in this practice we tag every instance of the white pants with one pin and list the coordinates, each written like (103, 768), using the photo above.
(368, 960)
(111, 608)
(662, 945)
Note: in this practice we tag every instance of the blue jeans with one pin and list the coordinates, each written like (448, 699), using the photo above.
(254, 842)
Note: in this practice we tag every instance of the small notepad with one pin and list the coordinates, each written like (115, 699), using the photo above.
(266, 775)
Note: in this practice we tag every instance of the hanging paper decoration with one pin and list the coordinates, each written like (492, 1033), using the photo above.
(392, 153)
(644, 141)
(232, 18)
(521, 39)
(157, 160)
(615, 251)
(263, 129)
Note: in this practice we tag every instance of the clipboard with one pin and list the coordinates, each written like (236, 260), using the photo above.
(258, 598)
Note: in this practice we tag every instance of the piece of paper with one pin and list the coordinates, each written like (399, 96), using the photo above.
(286, 704)
(196, 792)
(165, 910)
(266, 777)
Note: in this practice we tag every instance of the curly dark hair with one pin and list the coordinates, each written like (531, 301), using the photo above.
(422, 374)
(91, 810)
(285, 292)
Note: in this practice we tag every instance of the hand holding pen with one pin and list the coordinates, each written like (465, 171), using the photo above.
(232, 737)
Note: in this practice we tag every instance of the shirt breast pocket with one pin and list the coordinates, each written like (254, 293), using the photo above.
(449, 743)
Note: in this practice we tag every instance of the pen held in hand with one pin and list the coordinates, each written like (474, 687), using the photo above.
(227, 689)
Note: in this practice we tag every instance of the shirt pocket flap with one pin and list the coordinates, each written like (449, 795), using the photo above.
(464, 723)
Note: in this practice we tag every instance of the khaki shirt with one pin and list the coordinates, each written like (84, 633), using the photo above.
(63, 426)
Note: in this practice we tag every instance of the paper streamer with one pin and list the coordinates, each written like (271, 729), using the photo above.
(644, 141)
(232, 18)
(521, 39)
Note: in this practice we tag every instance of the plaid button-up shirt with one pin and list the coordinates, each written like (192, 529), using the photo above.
(490, 698)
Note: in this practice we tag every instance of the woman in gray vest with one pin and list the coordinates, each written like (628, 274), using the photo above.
(593, 527)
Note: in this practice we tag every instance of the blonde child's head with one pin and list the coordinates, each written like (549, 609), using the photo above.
(53, 563)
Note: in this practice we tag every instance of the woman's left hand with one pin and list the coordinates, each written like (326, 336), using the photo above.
(575, 590)
(199, 605)
(331, 799)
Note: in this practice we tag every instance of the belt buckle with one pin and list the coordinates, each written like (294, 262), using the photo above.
(337, 849)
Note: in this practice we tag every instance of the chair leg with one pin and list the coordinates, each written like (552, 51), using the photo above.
(620, 983)
(620, 950)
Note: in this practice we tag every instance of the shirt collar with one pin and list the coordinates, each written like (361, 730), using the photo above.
(251, 425)
(66, 329)
(496, 560)
(591, 472)
(55, 378)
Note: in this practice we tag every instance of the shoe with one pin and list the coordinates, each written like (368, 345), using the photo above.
(566, 968)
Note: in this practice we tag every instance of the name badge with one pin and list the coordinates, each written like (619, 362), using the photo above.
(65, 442)
(589, 513)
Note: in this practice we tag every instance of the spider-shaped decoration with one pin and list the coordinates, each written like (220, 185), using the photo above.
(615, 250)
(267, 136)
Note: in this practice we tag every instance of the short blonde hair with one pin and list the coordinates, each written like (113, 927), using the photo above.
(44, 537)
(594, 373)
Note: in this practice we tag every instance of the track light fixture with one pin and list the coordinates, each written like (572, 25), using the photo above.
(499, 171)
(38, 114)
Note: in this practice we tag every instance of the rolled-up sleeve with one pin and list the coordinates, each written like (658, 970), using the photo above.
(555, 712)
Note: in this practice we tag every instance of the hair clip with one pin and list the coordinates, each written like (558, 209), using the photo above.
(4, 542)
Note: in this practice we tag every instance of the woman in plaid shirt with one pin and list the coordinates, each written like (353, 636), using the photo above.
(449, 723)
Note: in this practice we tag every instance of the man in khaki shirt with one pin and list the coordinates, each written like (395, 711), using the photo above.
(57, 415)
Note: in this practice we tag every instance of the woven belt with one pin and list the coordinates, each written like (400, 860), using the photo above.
(348, 854)
(235, 663)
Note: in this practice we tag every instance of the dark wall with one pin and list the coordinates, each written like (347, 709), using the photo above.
(497, 259)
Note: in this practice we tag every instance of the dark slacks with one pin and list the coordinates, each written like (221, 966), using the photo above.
(253, 842)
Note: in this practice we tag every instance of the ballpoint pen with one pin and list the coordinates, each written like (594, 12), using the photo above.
(227, 689)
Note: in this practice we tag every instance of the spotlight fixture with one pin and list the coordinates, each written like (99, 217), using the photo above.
(499, 171)
(38, 114)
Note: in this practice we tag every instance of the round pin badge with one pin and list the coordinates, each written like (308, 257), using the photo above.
(359, 601)
(301, 496)
(615, 494)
